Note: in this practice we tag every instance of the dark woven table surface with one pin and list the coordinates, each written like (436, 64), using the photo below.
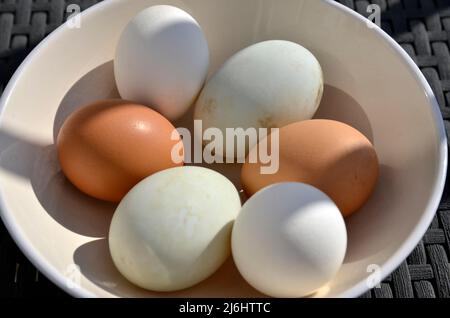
(422, 27)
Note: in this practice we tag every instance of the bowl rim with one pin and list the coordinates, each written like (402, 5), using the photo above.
(55, 276)
(433, 203)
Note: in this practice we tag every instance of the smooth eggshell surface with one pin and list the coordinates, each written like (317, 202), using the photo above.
(107, 147)
(267, 85)
(161, 60)
(173, 229)
(289, 240)
(332, 156)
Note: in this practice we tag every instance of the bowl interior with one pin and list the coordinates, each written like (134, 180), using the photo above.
(369, 85)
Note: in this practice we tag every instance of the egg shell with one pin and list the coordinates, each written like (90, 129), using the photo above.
(330, 155)
(107, 147)
(289, 240)
(267, 85)
(173, 229)
(162, 60)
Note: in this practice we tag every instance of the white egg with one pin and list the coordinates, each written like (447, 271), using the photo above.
(289, 240)
(267, 85)
(161, 60)
(173, 229)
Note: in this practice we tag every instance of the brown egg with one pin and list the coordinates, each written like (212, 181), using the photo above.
(108, 147)
(329, 155)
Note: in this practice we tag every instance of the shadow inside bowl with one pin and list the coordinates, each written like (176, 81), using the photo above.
(364, 240)
(97, 84)
(67, 205)
(59, 198)
(16, 154)
(95, 263)
(338, 105)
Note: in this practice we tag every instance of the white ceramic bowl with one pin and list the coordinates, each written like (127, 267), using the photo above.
(371, 84)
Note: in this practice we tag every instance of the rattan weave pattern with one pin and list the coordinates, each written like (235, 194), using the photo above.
(422, 27)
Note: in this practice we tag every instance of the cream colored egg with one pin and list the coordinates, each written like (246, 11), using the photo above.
(172, 230)
(267, 85)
